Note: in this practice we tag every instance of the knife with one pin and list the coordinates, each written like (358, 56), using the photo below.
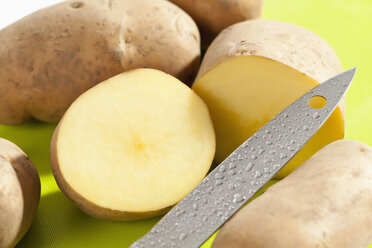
(232, 183)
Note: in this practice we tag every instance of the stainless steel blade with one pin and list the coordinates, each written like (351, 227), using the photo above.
(228, 187)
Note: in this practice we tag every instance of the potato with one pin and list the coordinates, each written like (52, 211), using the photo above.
(327, 202)
(19, 193)
(213, 16)
(255, 69)
(49, 58)
(133, 146)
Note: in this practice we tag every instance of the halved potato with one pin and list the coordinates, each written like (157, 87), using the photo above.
(133, 146)
(255, 69)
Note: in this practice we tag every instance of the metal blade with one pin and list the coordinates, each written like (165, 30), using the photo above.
(227, 188)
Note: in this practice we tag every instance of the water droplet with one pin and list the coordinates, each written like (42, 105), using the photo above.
(316, 115)
(238, 198)
(272, 152)
(240, 179)
(261, 151)
(222, 168)
(245, 145)
(232, 166)
(219, 176)
(254, 183)
(249, 167)
(285, 115)
(257, 174)
(252, 149)
(231, 186)
(265, 161)
(290, 148)
(292, 141)
(183, 236)
(218, 182)
(231, 172)
(267, 170)
(276, 166)
(253, 157)
(193, 214)
(240, 157)
(282, 155)
(219, 214)
(209, 189)
(205, 218)
(267, 131)
(269, 142)
(305, 128)
(179, 213)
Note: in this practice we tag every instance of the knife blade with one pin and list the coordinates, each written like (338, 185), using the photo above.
(232, 183)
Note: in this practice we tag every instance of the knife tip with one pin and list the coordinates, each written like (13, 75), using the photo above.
(347, 76)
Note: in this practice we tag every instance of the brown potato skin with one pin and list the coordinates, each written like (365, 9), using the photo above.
(50, 57)
(287, 43)
(87, 206)
(213, 16)
(326, 202)
(29, 182)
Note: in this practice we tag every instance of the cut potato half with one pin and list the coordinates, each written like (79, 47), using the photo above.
(254, 70)
(133, 146)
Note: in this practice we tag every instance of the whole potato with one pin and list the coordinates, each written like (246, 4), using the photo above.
(213, 16)
(326, 202)
(50, 57)
(19, 193)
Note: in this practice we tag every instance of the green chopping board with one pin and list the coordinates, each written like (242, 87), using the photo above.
(345, 24)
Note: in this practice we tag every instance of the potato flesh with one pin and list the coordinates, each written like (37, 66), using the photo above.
(11, 204)
(244, 93)
(137, 142)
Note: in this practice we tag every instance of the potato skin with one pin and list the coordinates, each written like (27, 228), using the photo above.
(213, 16)
(289, 44)
(49, 58)
(19, 193)
(326, 202)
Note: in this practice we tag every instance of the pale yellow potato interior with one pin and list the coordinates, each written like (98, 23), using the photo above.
(11, 204)
(139, 141)
(245, 92)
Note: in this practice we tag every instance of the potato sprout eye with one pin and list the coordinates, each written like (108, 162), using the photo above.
(77, 5)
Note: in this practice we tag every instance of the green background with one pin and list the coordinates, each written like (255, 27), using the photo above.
(345, 24)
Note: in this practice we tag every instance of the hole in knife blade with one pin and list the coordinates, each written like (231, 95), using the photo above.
(317, 102)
